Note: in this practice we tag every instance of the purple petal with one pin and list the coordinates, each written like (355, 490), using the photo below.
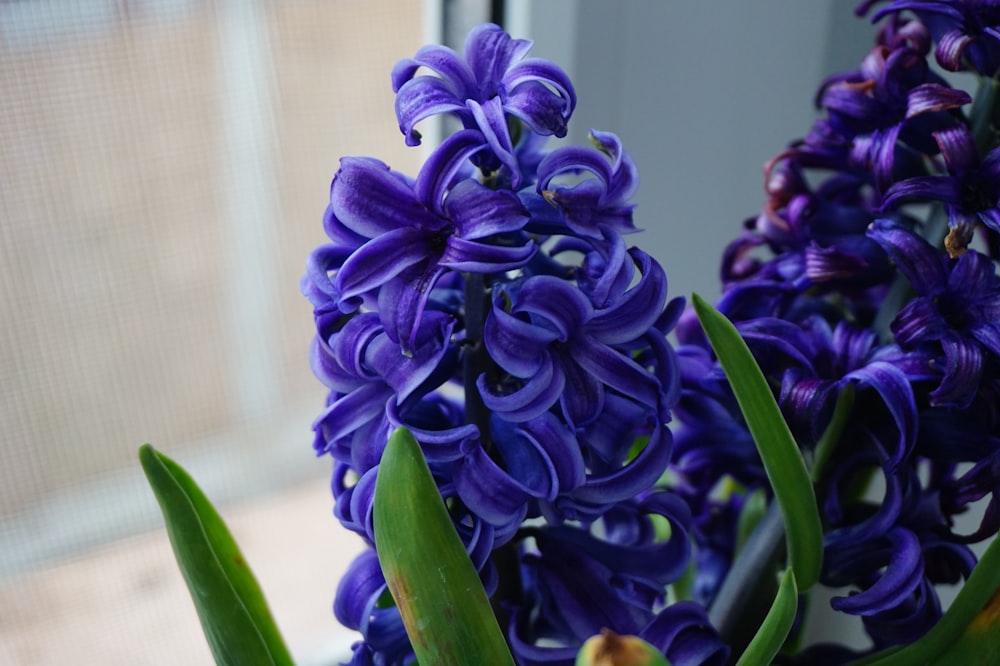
(517, 346)
(958, 147)
(951, 45)
(421, 98)
(492, 122)
(918, 321)
(617, 371)
(490, 52)
(921, 188)
(478, 212)
(442, 60)
(963, 368)
(573, 159)
(381, 259)
(581, 589)
(931, 97)
(637, 310)
(353, 410)
(489, 491)
(533, 399)
(561, 447)
(539, 108)
(897, 394)
(583, 398)
(401, 303)
(684, 634)
(562, 305)
(474, 257)
(903, 574)
(922, 265)
(439, 171)
(371, 200)
(639, 474)
(438, 445)
(359, 587)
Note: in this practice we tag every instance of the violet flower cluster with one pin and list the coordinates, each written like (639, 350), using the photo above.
(870, 277)
(492, 306)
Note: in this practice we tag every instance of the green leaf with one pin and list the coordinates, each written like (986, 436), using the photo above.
(782, 460)
(968, 634)
(230, 604)
(778, 622)
(437, 590)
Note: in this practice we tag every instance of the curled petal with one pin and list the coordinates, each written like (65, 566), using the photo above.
(558, 303)
(516, 345)
(439, 171)
(488, 491)
(441, 59)
(897, 394)
(963, 368)
(951, 45)
(931, 97)
(381, 259)
(638, 308)
(684, 634)
(359, 587)
(533, 399)
(903, 574)
(421, 98)
(639, 474)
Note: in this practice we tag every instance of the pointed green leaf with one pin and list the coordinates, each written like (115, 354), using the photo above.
(782, 460)
(434, 583)
(230, 604)
(778, 622)
(968, 634)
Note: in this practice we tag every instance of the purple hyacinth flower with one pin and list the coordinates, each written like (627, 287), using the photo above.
(967, 32)
(557, 347)
(890, 99)
(957, 308)
(591, 206)
(493, 79)
(971, 190)
(418, 232)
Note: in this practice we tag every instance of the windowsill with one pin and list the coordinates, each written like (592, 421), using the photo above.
(137, 606)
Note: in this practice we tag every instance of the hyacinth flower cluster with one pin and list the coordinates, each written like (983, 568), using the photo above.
(600, 477)
(867, 290)
(492, 306)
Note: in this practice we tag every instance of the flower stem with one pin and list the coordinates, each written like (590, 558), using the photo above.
(740, 604)
(476, 360)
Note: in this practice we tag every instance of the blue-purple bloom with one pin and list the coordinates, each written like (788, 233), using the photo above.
(597, 475)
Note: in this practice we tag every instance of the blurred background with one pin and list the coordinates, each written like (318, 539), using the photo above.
(164, 169)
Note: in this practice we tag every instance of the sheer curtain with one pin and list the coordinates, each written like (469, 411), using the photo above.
(164, 172)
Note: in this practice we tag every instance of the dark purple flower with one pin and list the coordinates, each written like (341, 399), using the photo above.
(493, 79)
(967, 32)
(956, 309)
(971, 190)
(418, 231)
(591, 206)
(556, 347)
(891, 100)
